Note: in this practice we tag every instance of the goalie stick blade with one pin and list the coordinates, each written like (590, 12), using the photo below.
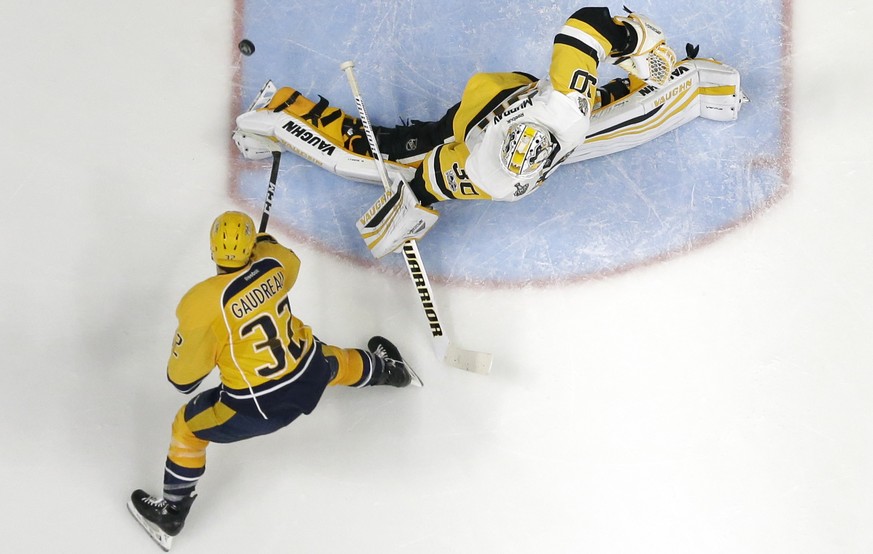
(469, 360)
(164, 540)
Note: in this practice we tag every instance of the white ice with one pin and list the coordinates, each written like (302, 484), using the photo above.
(718, 402)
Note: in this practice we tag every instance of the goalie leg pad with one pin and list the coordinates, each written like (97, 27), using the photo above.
(698, 88)
(339, 128)
(395, 218)
(315, 131)
(720, 94)
(319, 118)
(255, 147)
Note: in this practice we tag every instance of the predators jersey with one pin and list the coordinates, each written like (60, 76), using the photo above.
(242, 323)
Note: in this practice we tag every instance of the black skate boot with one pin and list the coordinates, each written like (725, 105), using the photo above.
(396, 372)
(162, 520)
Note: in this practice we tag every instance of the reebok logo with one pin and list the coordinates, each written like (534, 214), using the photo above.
(525, 104)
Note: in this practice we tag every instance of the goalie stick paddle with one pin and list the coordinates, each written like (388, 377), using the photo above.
(271, 189)
(476, 362)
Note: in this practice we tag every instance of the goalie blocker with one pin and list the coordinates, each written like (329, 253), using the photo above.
(395, 218)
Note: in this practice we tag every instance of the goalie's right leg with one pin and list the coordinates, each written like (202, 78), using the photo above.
(315, 131)
(269, 117)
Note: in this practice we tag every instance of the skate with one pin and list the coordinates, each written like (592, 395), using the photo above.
(162, 520)
(264, 96)
(397, 372)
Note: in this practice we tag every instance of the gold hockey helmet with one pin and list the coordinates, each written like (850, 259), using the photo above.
(525, 148)
(231, 239)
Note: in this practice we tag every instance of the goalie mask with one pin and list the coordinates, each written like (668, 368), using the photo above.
(231, 239)
(525, 149)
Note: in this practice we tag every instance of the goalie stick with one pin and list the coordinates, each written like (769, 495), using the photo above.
(476, 362)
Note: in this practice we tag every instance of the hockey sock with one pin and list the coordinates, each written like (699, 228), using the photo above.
(180, 481)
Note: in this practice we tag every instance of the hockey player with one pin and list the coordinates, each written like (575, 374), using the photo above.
(272, 367)
(510, 131)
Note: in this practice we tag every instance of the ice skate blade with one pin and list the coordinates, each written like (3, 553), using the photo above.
(164, 540)
(415, 379)
(264, 96)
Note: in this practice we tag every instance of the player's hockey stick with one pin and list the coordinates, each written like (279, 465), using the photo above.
(477, 362)
(271, 189)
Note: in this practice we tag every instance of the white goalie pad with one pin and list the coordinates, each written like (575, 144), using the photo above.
(395, 218)
(260, 131)
(697, 88)
(253, 146)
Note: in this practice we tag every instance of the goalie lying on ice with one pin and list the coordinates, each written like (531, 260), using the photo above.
(510, 131)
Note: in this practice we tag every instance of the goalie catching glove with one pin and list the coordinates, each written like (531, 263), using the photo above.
(395, 218)
(650, 59)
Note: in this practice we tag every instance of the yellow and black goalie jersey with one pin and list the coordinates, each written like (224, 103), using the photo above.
(242, 323)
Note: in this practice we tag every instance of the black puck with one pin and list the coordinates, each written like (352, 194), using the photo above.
(247, 47)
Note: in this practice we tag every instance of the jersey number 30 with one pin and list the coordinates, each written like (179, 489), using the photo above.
(582, 81)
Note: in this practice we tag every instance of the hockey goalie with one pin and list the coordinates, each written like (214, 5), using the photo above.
(509, 131)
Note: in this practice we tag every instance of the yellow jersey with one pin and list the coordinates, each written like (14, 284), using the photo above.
(242, 322)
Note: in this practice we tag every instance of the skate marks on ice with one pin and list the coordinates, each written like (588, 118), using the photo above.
(592, 218)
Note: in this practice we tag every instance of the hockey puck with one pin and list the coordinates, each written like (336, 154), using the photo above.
(246, 46)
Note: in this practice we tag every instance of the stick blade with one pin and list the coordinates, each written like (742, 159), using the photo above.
(469, 360)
